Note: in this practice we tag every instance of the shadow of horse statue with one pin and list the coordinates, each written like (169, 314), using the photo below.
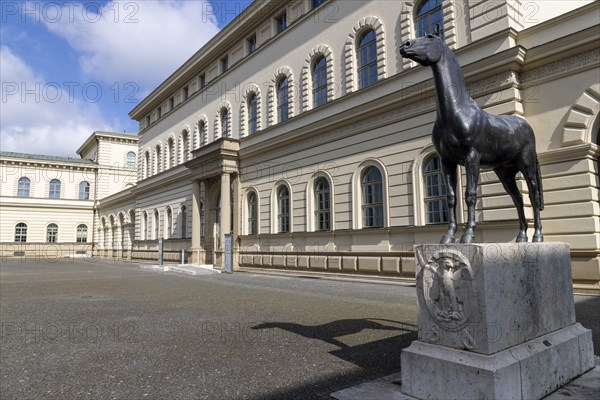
(464, 134)
(329, 331)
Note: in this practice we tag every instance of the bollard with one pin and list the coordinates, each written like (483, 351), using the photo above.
(228, 256)
(160, 251)
(182, 256)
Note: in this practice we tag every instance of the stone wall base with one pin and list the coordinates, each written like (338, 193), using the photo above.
(530, 370)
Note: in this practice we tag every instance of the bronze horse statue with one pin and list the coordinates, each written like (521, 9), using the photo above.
(464, 134)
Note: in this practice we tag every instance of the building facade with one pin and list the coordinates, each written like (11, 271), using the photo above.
(300, 130)
(47, 203)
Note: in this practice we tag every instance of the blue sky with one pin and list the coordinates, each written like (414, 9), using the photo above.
(69, 68)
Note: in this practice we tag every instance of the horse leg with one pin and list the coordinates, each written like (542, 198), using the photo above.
(530, 169)
(472, 168)
(449, 170)
(507, 177)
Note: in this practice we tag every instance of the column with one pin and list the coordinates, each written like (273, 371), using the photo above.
(196, 243)
(237, 226)
(225, 206)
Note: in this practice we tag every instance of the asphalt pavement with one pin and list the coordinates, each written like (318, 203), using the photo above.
(103, 330)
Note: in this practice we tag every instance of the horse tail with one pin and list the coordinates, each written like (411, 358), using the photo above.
(538, 177)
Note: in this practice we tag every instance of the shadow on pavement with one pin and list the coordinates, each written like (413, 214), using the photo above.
(381, 357)
(377, 358)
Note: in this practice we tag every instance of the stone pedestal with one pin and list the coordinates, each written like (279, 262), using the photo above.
(495, 320)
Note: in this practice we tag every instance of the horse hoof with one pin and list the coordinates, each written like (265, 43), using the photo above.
(447, 239)
(521, 238)
(467, 238)
(537, 238)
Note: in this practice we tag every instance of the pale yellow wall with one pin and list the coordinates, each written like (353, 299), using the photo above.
(294, 44)
(535, 12)
(548, 102)
(37, 216)
(40, 177)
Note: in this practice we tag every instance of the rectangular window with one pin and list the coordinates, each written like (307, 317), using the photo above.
(84, 191)
(281, 22)
(147, 120)
(171, 103)
(252, 44)
(224, 64)
(201, 81)
(186, 93)
(158, 112)
(23, 187)
(54, 189)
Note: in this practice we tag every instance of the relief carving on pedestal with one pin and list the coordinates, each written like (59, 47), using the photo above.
(446, 289)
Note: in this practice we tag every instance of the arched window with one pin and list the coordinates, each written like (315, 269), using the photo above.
(169, 224)
(252, 113)
(52, 233)
(183, 213)
(282, 99)
(367, 59)
(202, 132)
(21, 232)
(372, 198)
(23, 187)
(147, 164)
(185, 145)
(82, 233)
(84, 191)
(171, 153)
(428, 16)
(54, 189)
(319, 79)
(131, 159)
(283, 209)
(156, 224)
(225, 132)
(322, 205)
(252, 214)
(158, 158)
(436, 206)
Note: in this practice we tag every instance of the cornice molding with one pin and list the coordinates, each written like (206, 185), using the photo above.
(49, 164)
(160, 180)
(414, 101)
(590, 151)
(565, 66)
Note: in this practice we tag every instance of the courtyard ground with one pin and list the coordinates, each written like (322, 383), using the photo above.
(99, 329)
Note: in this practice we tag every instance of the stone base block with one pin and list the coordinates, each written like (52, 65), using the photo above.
(530, 370)
(488, 297)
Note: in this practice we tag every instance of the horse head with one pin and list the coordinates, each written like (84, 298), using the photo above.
(426, 50)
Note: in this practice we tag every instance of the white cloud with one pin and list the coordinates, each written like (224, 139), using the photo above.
(123, 41)
(38, 117)
(141, 42)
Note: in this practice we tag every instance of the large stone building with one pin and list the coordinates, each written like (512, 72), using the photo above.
(301, 130)
(47, 203)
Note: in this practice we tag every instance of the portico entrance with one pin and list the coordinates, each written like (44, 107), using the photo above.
(215, 211)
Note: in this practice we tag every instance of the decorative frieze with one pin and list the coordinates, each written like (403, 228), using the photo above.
(565, 65)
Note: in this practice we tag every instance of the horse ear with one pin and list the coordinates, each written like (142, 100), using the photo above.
(437, 30)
